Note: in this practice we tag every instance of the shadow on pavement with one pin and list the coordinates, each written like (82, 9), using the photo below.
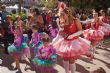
(87, 60)
(81, 69)
(107, 64)
(6, 61)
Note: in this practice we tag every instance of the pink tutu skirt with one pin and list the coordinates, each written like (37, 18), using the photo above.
(93, 35)
(72, 48)
(105, 29)
(26, 53)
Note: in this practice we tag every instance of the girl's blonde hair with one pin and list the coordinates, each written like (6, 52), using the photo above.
(68, 11)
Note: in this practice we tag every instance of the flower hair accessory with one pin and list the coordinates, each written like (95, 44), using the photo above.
(62, 6)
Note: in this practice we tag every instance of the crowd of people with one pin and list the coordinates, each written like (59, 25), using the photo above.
(42, 35)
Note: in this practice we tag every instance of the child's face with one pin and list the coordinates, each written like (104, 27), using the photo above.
(45, 43)
(19, 18)
(34, 30)
(8, 19)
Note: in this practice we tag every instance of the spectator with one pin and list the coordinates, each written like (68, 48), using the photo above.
(4, 13)
(37, 19)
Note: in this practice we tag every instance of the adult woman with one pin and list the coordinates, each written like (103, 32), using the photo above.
(37, 19)
(28, 29)
(69, 45)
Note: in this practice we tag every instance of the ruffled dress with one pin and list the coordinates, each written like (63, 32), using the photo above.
(36, 40)
(46, 56)
(71, 48)
(16, 49)
(95, 33)
(105, 26)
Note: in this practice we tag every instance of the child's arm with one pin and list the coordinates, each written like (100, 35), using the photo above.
(37, 39)
(11, 27)
(30, 42)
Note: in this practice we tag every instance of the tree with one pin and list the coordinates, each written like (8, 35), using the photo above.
(49, 3)
(98, 4)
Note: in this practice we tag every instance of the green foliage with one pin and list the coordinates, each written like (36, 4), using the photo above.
(75, 3)
(13, 16)
(49, 4)
(23, 16)
(91, 4)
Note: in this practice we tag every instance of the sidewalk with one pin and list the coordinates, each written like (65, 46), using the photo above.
(83, 65)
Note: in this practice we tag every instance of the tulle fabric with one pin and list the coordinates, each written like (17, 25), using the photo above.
(47, 62)
(14, 50)
(72, 48)
(26, 53)
(21, 50)
(105, 29)
(93, 35)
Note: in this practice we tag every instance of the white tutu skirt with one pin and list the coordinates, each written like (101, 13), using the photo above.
(72, 48)
(105, 28)
(93, 35)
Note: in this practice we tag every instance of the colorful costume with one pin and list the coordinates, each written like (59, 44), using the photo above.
(71, 48)
(46, 56)
(16, 49)
(105, 26)
(36, 40)
(53, 32)
(94, 34)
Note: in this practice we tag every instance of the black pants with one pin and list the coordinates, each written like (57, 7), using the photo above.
(6, 39)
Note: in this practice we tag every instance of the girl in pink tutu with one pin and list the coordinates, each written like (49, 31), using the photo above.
(68, 44)
(94, 34)
(104, 21)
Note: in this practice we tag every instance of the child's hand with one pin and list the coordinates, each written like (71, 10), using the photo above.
(33, 47)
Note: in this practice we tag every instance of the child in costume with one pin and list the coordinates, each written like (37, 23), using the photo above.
(35, 40)
(104, 21)
(69, 45)
(16, 49)
(53, 30)
(94, 34)
(46, 56)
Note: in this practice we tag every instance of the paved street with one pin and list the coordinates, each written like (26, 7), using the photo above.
(83, 65)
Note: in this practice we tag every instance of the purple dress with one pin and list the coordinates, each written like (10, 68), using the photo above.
(46, 56)
(53, 32)
(19, 47)
(35, 40)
